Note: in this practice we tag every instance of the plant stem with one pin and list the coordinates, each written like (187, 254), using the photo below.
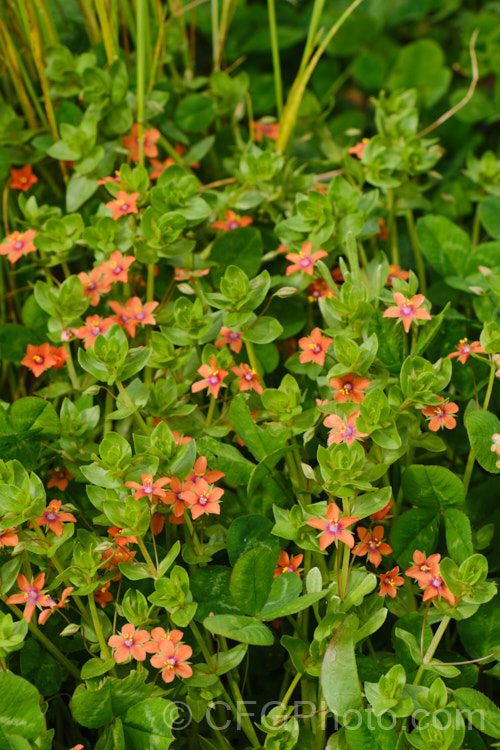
(489, 390)
(254, 362)
(141, 57)
(147, 557)
(312, 31)
(392, 227)
(97, 627)
(286, 697)
(275, 51)
(107, 35)
(210, 414)
(432, 648)
(476, 228)
(214, 14)
(71, 367)
(130, 403)
(417, 253)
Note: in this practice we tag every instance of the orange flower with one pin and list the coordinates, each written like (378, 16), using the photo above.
(94, 328)
(114, 178)
(149, 138)
(94, 284)
(435, 587)
(59, 478)
(32, 595)
(160, 166)
(343, 432)
(334, 528)
(7, 538)
(422, 568)
(395, 272)
(116, 268)
(465, 349)
(349, 388)
(372, 545)
(304, 261)
(200, 471)
(113, 556)
(117, 533)
(172, 660)
(129, 644)
(232, 221)
(212, 378)
(123, 204)
(54, 518)
(176, 496)
(439, 416)
(39, 359)
(148, 488)
(18, 244)
(287, 564)
(389, 581)
(358, 149)
(60, 355)
(267, 129)
(61, 604)
(383, 234)
(233, 338)
(179, 439)
(159, 635)
(186, 274)
(248, 378)
(22, 179)
(407, 309)
(319, 289)
(134, 313)
(315, 346)
(381, 514)
(201, 499)
(102, 595)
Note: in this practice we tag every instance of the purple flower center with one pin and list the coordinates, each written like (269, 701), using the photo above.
(172, 661)
(317, 349)
(203, 499)
(213, 379)
(128, 641)
(50, 515)
(140, 316)
(233, 335)
(95, 330)
(305, 262)
(248, 376)
(18, 245)
(124, 207)
(348, 431)
(147, 489)
(436, 583)
(32, 596)
(333, 527)
(407, 310)
(117, 270)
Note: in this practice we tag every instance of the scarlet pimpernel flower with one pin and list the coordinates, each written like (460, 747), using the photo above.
(349, 388)
(390, 581)
(94, 328)
(395, 272)
(212, 378)
(176, 495)
(8, 538)
(95, 284)
(148, 488)
(422, 568)
(319, 289)
(202, 500)
(123, 204)
(116, 268)
(102, 595)
(303, 260)
(201, 471)
(172, 660)
(134, 313)
(372, 544)
(407, 310)
(32, 596)
(314, 347)
(287, 564)
(149, 139)
(39, 359)
(358, 149)
(129, 645)
(23, 178)
(269, 130)
(248, 378)
(343, 430)
(440, 416)
(465, 348)
(18, 244)
(59, 478)
(53, 517)
(334, 528)
(232, 221)
(233, 338)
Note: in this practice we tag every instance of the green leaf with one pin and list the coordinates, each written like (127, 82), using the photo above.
(420, 65)
(249, 532)
(458, 535)
(195, 113)
(339, 674)
(480, 634)
(252, 578)
(240, 628)
(259, 442)
(96, 668)
(264, 330)
(95, 708)
(481, 425)
(479, 710)
(297, 605)
(373, 733)
(444, 245)
(286, 588)
(371, 502)
(415, 529)
(35, 416)
(489, 214)
(41, 669)
(19, 708)
(433, 487)
(14, 340)
(148, 725)
(78, 190)
(227, 660)
(226, 458)
(210, 588)
(240, 247)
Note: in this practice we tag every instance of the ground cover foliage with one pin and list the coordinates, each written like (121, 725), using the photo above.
(250, 350)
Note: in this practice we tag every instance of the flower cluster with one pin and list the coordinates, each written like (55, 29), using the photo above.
(44, 357)
(170, 654)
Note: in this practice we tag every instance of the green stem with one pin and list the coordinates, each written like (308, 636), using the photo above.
(352, 256)
(472, 456)
(210, 414)
(489, 390)
(97, 627)
(71, 368)
(311, 34)
(107, 35)
(147, 557)
(476, 228)
(286, 697)
(254, 362)
(194, 535)
(417, 253)
(141, 56)
(392, 227)
(432, 648)
(130, 403)
(275, 51)
(214, 14)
